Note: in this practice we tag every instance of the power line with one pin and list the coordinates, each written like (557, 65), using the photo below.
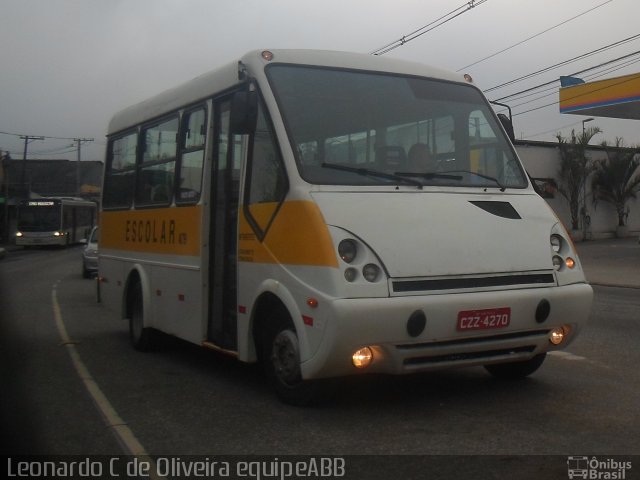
(572, 74)
(430, 26)
(42, 137)
(564, 62)
(634, 77)
(554, 91)
(533, 36)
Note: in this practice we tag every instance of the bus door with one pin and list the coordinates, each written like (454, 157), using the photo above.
(225, 188)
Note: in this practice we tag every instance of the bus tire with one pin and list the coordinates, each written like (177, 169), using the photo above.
(516, 370)
(142, 338)
(281, 357)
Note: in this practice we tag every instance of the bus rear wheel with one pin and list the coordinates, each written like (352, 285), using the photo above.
(281, 357)
(141, 337)
(516, 370)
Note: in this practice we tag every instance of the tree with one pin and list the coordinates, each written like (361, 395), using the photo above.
(575, 167)
(616, 179)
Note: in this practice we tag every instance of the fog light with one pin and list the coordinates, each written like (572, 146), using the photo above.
(362, 358)
(556, 336)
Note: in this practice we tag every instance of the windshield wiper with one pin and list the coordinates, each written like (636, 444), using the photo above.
(430, 175)
(373, 173)
(482, 175)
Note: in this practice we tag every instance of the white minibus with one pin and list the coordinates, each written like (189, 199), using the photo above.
(333, 214)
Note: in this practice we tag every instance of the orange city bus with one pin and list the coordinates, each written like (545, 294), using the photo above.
(332, 214)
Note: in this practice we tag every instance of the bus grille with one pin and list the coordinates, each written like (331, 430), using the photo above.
(521, 280)
(461, 357)
(472, 350)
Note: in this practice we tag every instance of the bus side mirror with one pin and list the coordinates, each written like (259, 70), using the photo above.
(508, 126)
(244, 113)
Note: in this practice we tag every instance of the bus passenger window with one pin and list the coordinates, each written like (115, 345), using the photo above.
(120, 171)
(192, 156)
(157, 171)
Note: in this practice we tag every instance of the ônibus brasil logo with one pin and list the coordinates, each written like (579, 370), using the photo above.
(597, 469)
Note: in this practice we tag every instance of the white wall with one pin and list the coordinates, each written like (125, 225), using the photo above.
(542, 160)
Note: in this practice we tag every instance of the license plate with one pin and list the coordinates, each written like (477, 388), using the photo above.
(485, 319)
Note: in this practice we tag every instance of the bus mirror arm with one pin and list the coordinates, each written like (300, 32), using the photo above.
(508, 126)
(506, 121)
(244, 112)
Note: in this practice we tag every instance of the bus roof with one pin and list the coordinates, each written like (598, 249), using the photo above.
(205, 85)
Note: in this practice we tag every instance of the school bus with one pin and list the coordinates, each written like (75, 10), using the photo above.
(332, 214)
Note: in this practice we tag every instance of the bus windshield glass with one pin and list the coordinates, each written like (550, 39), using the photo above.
(39, 219)
(362, 128)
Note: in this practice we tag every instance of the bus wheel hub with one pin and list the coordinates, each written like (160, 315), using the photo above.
(285, 357)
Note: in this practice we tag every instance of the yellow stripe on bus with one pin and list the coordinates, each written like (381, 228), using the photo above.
(173, 231)
(297, 236)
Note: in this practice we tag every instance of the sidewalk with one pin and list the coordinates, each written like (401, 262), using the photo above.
(612, 262)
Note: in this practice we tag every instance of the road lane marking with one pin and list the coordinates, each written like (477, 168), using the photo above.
(571, 357)
(123, 433)
(566, 355)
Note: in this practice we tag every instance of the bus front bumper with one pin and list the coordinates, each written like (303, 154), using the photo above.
(382, 324)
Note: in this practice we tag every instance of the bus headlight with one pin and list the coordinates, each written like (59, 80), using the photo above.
(557, 262)
(556, 243)
(18, 234)
(347, 249)
(350, 275)
(371, 272)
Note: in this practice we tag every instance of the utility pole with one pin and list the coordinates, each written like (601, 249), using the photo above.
(6, 159)
(27, 139)
(79, 141)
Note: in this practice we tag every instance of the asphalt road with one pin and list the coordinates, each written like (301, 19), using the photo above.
(183, 400)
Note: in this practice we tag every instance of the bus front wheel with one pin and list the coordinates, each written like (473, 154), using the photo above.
(516, 370)
(141, 337)
(282, 363)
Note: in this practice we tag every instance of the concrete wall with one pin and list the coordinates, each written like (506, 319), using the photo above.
(542, 160)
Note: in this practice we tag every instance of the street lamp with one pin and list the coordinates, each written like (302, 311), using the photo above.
(585, 121)
(585, 216)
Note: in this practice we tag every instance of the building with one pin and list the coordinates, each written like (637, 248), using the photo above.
(542, 162)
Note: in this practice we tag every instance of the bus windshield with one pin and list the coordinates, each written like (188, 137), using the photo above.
(39, 219)
(362, 128)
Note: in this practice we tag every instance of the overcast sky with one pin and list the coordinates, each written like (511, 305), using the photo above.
(66, 66)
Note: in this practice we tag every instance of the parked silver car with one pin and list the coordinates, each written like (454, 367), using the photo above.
(90, 255)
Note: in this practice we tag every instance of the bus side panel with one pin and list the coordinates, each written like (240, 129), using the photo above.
(295, 261)
(163, 245)
(112, 283)
(177, 302)
(173, 304)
